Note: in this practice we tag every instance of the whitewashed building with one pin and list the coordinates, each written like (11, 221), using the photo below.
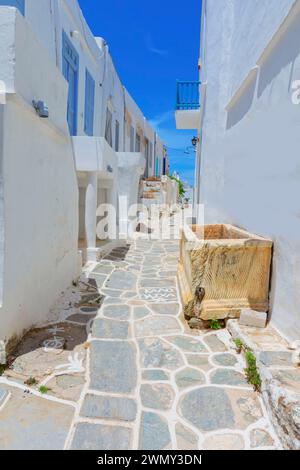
(71, 138)
(248, 166)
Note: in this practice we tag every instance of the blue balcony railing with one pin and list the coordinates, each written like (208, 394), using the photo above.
(188, 95)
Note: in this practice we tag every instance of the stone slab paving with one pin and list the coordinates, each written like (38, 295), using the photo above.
(28, 422)
(152, 383)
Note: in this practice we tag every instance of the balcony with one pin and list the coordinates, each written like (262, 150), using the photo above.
(94, 154)
(187, 112)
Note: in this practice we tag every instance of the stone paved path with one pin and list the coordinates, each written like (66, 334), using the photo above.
(153, 383)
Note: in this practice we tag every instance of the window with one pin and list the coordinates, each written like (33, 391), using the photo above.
(131, 139)
(137, 142)
(117, 136)
(150, 154)
(108, 127)
(20, 4)
(89, 104)
(157, 167)
(147, 150)
(70, 63)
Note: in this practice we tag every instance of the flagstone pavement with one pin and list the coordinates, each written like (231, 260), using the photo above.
(146, 382)
(153, 383)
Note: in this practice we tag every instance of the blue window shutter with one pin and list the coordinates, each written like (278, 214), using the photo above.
(70, 67)
(89, 104)
(20, 4)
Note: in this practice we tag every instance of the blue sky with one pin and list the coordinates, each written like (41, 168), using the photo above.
(153, 44)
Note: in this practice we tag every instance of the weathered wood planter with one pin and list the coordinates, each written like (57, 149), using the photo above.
(231, 266)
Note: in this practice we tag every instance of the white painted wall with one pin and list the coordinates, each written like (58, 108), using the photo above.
(40, 216)
(250, 171)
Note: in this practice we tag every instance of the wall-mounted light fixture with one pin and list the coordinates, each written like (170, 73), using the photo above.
(41, 108)
(75, 34)
(195, 141)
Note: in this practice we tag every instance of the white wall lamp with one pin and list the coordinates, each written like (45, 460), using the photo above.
(75, 34)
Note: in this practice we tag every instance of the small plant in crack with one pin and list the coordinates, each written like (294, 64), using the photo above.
(215, 324)
(239, 345)
(251, 371)
(2, 369)
(31, 381)
(43, 389)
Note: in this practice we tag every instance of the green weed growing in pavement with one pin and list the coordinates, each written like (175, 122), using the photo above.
(43, 389)
(239, 345)
(31, 381)
(2, 369)
(215, 324)
(251, 371)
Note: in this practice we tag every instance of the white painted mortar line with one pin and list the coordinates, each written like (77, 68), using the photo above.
(6, 399)
(36, 393)
(72, 429)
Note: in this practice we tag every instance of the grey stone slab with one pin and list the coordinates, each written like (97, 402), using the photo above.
(157, 396)
(120, 311)
(112, 293)
(253, 318)
(156, 353)
(66, 381)
(228, 377)
(153, 326)
(208, 409)
(113, 366)
(186, 439)
(113, 329)
(276, 358)
(154, 432)
(82, 318)
(224, 441)
(101, 437)
(99, 279)
(171, 273)
(189, 377)
(140, 312)
(121, 280)
(90, 310)
(214, 343)
(260, 438)
(123, 409)
(151, 282)
(199, 360)
(165, 308)
(32, 423)
(226, 360)
(155, 375)
(129, 294)
(188, 344)
(102, 269)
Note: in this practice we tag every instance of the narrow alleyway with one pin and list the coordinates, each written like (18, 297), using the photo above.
(152, 382)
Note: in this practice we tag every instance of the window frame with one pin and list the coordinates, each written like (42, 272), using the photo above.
(89, 106)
